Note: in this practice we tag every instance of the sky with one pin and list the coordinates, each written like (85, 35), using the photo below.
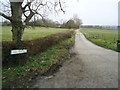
(91, 12)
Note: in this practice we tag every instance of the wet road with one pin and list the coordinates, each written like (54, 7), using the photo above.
(90, 67)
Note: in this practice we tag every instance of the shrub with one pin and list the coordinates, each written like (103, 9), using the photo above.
(33, 47)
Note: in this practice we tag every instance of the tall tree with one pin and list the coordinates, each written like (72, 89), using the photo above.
(22, 11)
(77, 21)
(70, 24)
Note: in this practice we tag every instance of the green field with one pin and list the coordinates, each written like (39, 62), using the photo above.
(30, 33)
(102, 37)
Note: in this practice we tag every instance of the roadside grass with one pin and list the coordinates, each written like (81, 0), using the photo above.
(102, 37)
(30, 33)
(39, 63)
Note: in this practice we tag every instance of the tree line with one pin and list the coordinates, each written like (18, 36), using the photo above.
(71, 23)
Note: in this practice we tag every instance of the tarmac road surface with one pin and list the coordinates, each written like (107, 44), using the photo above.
(91, 67)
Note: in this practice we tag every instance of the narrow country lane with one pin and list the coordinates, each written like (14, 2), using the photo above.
(91, 67)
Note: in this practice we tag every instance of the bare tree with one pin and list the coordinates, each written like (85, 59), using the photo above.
(77, 21)
(22, 11)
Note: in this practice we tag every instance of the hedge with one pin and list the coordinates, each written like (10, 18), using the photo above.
(33, 47)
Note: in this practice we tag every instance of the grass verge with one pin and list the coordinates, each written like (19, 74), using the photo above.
(104, 38)
(21, 76)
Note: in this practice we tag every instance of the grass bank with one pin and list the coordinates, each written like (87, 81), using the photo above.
(105, 38)
(30, 33)
(21, 76)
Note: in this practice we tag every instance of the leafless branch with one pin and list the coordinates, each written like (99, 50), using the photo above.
(40, 5)
(30, 15)
(39, 15)
(26, 5)
(61, 6)
(5, 16)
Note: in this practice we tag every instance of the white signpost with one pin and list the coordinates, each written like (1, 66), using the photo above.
(13, 52)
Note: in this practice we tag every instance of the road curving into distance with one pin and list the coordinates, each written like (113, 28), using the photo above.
(91, 66)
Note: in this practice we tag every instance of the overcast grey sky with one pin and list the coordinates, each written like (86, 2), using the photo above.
(98, 12)
(102, 12)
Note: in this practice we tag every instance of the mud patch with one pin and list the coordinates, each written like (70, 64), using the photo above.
(53, 69)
